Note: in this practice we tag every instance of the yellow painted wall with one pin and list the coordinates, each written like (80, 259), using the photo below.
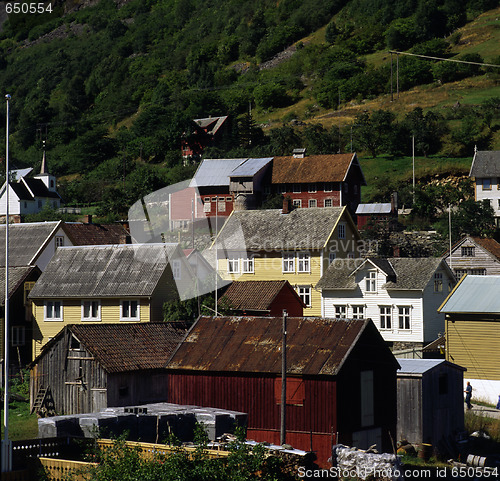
(475, 345)
(72, 314)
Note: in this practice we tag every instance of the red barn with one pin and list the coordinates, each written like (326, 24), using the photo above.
(263, 298)
(341, 385)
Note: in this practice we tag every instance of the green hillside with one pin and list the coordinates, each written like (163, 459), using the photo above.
(112, 87)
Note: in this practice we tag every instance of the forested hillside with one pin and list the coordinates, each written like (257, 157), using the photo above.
(112, 87)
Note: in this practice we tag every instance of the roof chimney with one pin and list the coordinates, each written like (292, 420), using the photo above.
(394, 203)
(299, 153)
(286, 205)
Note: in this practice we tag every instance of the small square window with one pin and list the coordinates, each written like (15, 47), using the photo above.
(53, 311)
(486, 184)
(312, 187)
(313, 203)
(59, 240)
(358, 312)
(288, 263)
(297, 188)
(91, 311)
(233, 265)
(297, 203)
(328, 203)
(328, 187)
(404, 317)
(304, 262)
(385, 317)
(248, 265)
(340, 312)
(468, 251)
(304, 293)
(130, 311)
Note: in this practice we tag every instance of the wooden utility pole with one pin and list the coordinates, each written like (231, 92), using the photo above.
(283, 381)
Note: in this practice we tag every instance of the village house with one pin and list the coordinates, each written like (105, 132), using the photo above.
(296, 245)
(485, 171)
(205, 132)
(107, 284)
(29, 195)
(335, 392)
(89, 233)
(262, 298)
(400, 295)
(430, 402)
(332, 180)
(377, 214)
(474, 255)
(472, 316)
(88, 367)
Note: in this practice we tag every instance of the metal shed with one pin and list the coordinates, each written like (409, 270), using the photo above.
(430, 401)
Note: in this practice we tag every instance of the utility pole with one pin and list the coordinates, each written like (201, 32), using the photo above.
(283, 381)
(449, 229)
(392, 94)
(413, 161)
(216, 251)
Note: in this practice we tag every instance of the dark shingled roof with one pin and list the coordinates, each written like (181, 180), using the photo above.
(254, 295)
(485, 164)
(403, 273)
(491, 245)
(104, 271)
(313, 168)
(315, 346)
(95, 234)
(271, 229)
(25, 241)
(126, 347)
(16, 277)
(39, 189)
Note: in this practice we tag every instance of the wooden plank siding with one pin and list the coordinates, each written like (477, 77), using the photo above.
(474, 343)
(268, 265)
(482, 259)
(43, 330)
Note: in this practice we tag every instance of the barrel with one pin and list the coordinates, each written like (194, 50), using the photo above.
(425, 451)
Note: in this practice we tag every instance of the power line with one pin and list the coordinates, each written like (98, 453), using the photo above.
(482, 64)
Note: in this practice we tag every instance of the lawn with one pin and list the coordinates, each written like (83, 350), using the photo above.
(22, 424)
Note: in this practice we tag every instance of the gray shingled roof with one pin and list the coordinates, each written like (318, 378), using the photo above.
(25, 241)
(405, 273)
(271, 229)
(485, 164)
(104, 271)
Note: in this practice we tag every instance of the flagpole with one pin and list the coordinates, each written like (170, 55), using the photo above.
(6, 443)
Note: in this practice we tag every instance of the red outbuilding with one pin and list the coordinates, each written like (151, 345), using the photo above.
(341, 379)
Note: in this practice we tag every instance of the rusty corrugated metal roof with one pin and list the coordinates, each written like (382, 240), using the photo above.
(315, 346)
(313, 168)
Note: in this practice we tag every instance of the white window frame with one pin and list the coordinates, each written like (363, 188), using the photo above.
(304, 292)
(340, 311)
(371, 281)
(59, 241)
(303, 262)
(311, 188)
(313, 203)
(288, 263)
(90, 303)
(176, 269)
(297, 188)
(328, 187)
(341, 231)
(50, 308)
(297, 203)
(385, 316)
(358, 311)
(330, 201)
(128, 317)
(233, 265)
(248, 265)
(404, 318)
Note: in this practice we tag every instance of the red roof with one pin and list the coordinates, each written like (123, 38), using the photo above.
(96, 234)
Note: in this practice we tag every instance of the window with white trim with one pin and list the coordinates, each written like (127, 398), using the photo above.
(358, 312)
(130, 311)
(328, 203)
(288, 263)
(297, 188)
(328, 187)
(17, 336)
(385, 317)
(304, 262)
(91, 310)
(233, 265)
(53, 311)
(404, 317)
(311, 187)
(297, 203)
(341, 231)
(176, 269)
(248, 265)
(304, 293)
(313, 203)
(59, 241)
(371, 281)
(438, 282)
(221, 205)
(459, 273)
(340, 312)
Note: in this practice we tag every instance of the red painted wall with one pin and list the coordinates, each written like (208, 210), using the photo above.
(286, 299)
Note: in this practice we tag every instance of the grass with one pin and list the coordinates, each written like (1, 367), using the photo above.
(22, 424)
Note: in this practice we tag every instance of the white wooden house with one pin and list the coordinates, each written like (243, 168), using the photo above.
(400, 295)
(485, 170)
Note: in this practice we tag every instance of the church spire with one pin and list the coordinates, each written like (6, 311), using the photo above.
(43, 169)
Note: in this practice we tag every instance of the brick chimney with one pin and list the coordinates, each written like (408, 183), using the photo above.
(287, 204)
(394, 203)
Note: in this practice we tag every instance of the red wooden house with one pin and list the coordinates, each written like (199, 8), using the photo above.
(332, 180)
(341, 385)
(263, 298)
(205, 132)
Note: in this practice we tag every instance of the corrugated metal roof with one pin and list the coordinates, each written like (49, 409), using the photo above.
(374, 209)
(421, 366)
(212, 172)
(25, 240)
(271, 229)
(485, 164)
(104, 271)
(254, 295)
(250, 167)
(125, 347)
(314, 168)
(474, 294)
(315, 346)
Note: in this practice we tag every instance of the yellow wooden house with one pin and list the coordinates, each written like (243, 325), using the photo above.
(294, 245)
(107, 284)
(472, 316)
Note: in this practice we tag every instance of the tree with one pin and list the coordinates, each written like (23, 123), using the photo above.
(473, 218)
(426, 129)
(373, 132)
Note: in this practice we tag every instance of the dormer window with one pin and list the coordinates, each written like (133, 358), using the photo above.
(371, 281)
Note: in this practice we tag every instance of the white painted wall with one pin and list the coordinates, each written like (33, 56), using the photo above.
(493, 194)
(484, 390)
(50, 249)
